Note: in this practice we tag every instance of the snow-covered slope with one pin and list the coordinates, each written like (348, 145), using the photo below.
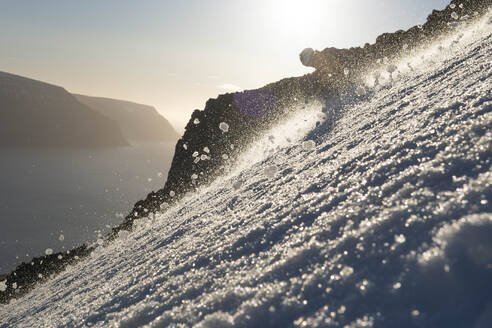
(384, 221)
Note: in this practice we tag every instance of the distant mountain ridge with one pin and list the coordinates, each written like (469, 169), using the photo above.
(139, 123)
(38, 114)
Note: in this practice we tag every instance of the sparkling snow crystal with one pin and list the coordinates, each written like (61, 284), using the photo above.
(224, 127)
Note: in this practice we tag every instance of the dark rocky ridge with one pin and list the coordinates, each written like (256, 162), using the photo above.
(37, 114)
(251, 112)
(390, 45)
(138, 123)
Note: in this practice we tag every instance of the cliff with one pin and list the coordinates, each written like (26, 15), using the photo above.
(139, 123)
(37, 114)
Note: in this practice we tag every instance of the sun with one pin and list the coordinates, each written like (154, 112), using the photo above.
(294, 16)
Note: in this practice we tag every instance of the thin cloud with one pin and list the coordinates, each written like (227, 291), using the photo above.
(229, 87)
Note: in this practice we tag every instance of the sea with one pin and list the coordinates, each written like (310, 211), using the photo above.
(60, 198)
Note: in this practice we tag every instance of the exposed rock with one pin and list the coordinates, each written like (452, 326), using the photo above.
(389, 45)
(26, 275)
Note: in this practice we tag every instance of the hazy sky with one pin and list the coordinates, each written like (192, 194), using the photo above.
(175, 55)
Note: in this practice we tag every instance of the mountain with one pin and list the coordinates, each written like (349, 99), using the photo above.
(365, 207)
(37, 114)
(139, 123)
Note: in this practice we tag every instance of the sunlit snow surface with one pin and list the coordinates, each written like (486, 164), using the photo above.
(384, 221)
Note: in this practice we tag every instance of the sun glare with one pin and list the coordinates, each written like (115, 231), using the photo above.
(297, 17)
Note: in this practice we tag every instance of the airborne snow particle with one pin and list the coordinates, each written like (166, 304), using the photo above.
(204, 157)
(270, 171)
(196, 160)
(400, 239)
(172, 193)
(185, 146)
(195, 154)
(346, 271)
(206, 150)
(14, 285)
(225, 156)
(59, 257)
(100, 242)
(194, 176)
(455, 15)
(61, 238)
(48, 251)
(308, 145)
(452, 6)
(224, 127)
(196, 121)
(397, 285)
(159, 174)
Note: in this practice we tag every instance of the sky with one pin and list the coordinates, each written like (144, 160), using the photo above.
(174, 55)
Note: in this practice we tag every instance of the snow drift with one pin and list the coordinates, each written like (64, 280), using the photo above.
(377, 214)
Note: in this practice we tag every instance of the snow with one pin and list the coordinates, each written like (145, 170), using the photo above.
(386, 223)
(48, 251)
(123, 234)
(309, 145)
(270, 171)
(224, 127)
